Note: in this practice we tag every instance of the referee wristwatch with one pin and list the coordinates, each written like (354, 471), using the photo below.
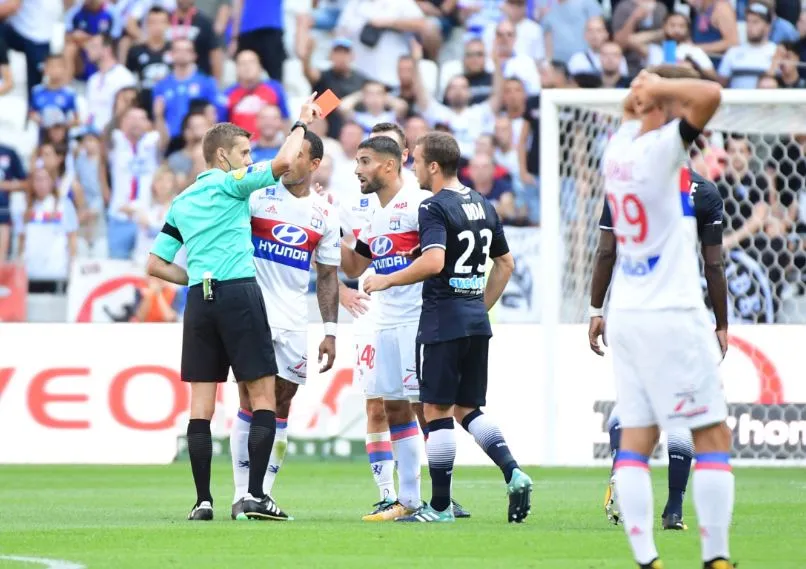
(299, 124)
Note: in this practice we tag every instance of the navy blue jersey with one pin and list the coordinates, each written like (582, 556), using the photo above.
(697, 194)
(466, 226)
(10, 169)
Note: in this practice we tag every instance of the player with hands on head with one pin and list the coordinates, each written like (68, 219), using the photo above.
(665, 354)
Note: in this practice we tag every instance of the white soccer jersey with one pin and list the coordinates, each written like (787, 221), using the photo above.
(132, 171)
(393, 230)
(658, 265)
(355, 214)
(288, 234)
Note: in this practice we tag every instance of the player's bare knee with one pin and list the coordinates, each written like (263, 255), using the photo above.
(713, 438)
(398, 412)
(459, 412)
(202, 400)
(261, 393)
(434, 412)
(284, 392)
(641, 440)
(375, 412)
(243, 397)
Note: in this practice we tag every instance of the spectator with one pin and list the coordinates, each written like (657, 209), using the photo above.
(464, 120)
(715, 28)
(677, 29)
(92, 18)
(48, 236)
(151, 219)
(742, 191)
(90, 169)
(251, 93)
(767, 81)
(444, 12)
(54, 94)
(784, 68)
(326, 15)
(587, 61)
(103, 85)
(219, 11)
(394, 18)
(519, 66)
(477, 15)
(6, 79)
(258, 26)
(189, 23)
(636, 25)
(744, 64)
(505, 150)
(174, 94)
(269, 134)
(181, 161)
(54, 125)
(414, 127)
(12, 179)
(28, 28)
(343, 181)
(341, 78)
(611, 59)
(514, 105)
(781, 30)
(124, 99)
(406, 72)
(377, 106)
(801, 45)
(564, 27)
(132, 18)
(133, 160)
(150, 61)
(529, 39)
(474, 67)
(53, 158)
(499, 192)
(159, 301)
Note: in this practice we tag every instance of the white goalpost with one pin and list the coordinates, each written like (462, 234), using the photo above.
(766, 269)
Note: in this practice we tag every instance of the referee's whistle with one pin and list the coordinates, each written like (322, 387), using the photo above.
(207, 285)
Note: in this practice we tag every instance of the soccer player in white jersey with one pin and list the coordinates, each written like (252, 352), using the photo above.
(665, 353)
(390, 235)
(292, 226)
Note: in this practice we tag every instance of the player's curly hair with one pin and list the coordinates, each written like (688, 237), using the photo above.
(222, 135)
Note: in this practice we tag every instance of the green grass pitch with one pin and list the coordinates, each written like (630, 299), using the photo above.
(134, 517)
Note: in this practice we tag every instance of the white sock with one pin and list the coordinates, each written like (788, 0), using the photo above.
(634, 491)
(277, 454)
(382, 463)
(407, 446)
(714, 488)
(239, 449)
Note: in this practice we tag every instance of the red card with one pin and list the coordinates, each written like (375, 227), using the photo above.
(328, 102)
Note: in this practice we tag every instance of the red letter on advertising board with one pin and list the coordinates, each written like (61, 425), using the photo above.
(38, 398)
(5, 377)
(117, 400)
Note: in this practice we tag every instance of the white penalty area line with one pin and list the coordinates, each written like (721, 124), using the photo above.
(48, 563)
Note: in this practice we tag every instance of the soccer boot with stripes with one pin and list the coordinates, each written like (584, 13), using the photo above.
(427, 514)
(263, 509)
(656, 564)
(201, 512)
(610, 504)
(673, 521)
(719, 564)
(520, 496)
(458, 510)
(387, 511)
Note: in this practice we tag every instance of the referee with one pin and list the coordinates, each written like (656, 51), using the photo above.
(225, 321)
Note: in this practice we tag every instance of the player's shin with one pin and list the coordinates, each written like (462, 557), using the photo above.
(382, 464)
(239, 450)
(714, 488)
(406, 445)
(634, 490)
(200, 449)
(489, 437)
(441, 450)
(681, 452)
(277, 457)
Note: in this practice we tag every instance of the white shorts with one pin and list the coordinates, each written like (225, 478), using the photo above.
(364, 370)
(395, 374)
(291, 351)
(666, 364)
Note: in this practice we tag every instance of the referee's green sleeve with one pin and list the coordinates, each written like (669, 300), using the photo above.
(242, 182)
(169, 240)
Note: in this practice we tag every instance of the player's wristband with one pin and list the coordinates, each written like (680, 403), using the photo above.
(330, 328)
(299, 124)
(595, 312)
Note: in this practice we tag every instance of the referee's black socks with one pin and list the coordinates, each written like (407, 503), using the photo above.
(261, 440)
(200, 449)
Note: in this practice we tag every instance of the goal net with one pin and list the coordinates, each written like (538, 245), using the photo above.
(755, 152)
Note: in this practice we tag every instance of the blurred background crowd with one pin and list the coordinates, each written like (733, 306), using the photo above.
(103, 105)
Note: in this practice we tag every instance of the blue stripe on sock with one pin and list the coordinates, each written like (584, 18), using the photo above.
(398, 428)
(630, 455)
(244, 417)
(719, 457)
(380, 456)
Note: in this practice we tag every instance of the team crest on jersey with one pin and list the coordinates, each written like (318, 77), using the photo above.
(317, 222)
(394, 222)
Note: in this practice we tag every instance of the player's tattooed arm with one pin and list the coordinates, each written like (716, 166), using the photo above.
(327, 291)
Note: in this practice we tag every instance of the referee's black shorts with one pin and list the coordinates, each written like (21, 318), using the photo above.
(454, 372)
(232, 330)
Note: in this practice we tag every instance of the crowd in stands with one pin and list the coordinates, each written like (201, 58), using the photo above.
(103, 104)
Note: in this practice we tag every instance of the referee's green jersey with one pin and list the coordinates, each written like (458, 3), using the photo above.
(212, 219)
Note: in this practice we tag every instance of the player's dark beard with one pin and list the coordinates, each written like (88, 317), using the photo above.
(373, 186)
